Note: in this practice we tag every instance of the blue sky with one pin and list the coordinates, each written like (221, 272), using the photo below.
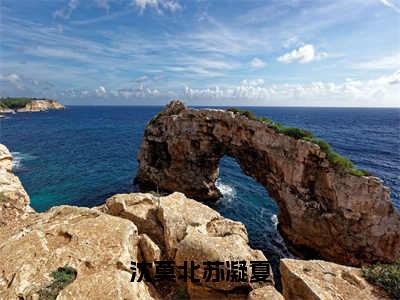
(250, 52)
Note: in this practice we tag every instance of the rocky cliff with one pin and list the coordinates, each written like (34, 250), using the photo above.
(12, 105)
(41, 105)
(324, 212)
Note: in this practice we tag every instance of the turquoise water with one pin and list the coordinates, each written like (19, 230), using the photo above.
(83, 155)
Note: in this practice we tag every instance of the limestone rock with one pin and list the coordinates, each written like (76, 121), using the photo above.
(150, 251)
(4, 110)
(5, 158)
(191, 232)
(41, 105)
(264, 293)
(176, 214)
(12, 193)
(197, 246)
(99, 246)
(323, 212)
(139, 208)
(317, 279)
(11, 190)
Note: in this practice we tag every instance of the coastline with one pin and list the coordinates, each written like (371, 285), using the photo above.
(154, 236)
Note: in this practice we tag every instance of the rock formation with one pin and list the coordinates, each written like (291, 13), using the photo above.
(41, 105)
(180, 229)
(317, 279)
(4, 110)
(32, 105)
(323, 212)
(12, 193)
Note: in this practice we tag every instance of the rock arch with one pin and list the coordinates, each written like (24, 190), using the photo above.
(323, 213)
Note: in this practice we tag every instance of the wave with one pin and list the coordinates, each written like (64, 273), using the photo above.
(228, 192)
(18, 158)
(274, 220)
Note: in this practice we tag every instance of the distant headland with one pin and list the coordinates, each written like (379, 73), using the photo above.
(12, 105)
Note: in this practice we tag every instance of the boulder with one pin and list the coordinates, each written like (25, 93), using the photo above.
(98, 246)
(191, 232)
(317, 279)
(139, 208)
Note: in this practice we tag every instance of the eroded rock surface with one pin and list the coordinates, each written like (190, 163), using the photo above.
(191, 232)
(323, 212)
(14, 201)
(321, 280)
(99, 246)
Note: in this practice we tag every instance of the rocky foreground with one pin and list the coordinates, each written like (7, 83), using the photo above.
(324, 212)
(100, 244)
(34, 105)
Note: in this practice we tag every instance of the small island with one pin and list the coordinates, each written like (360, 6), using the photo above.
(12, 105)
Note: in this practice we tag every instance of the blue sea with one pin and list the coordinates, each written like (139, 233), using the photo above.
(82, 155)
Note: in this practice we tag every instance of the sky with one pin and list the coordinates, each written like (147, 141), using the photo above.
(221, 52)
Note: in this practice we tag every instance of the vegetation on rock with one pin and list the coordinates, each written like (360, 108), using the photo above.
(338, 161)
(386, 276)
(14, 103)
(62, 277)
(154, 119)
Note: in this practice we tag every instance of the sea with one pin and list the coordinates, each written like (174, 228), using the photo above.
(82, 155)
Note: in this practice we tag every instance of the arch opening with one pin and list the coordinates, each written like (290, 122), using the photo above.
(245, 200)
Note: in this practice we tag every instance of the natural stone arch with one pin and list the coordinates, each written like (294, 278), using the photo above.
(323, 212)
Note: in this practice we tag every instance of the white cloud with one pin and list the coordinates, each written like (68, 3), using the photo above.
(391, 62)
(103, 4)
(142, 79)
(139, 92)
(254, 82)
(66, 12)
(304, 54)
(382, 91)
(290, 42)
(391, 4)
(101, 91)
(57, 53)
(257, 63)
(158, 5)
(13, 79)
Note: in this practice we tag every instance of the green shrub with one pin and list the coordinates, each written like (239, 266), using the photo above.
(386, 276)
(339, 162)
(180, 293)
(360, 172)
(296, 133)
(14, 103)
(153, 120)
(62, 277)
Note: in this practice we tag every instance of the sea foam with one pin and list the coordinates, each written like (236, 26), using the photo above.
(18, 159)
(228, 192)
